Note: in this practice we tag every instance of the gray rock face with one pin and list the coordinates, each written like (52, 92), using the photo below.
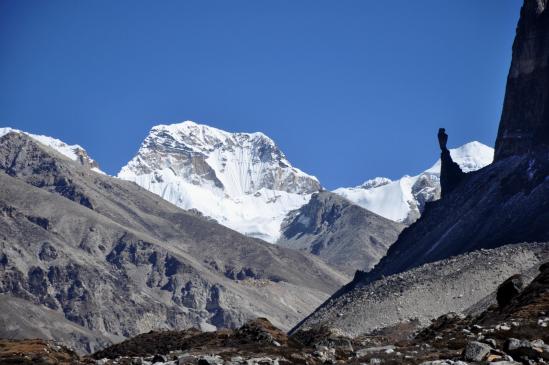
(426, 292)
(21, 319)
(525, 119)
(117, 260)
(343, 234)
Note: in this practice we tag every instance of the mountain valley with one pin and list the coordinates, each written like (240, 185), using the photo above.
(210, 248)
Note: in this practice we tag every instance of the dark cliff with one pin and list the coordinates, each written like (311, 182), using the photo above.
(525, 119)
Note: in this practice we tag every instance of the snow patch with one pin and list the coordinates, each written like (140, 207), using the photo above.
(403, 199)
(73, 152)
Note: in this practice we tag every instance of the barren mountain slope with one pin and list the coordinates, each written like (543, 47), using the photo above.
(426, 292)
(118, 260)
(343, 234)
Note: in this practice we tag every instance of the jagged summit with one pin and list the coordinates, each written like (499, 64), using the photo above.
(243, 180)
(73, 152)
(201, 133)
(239, 163)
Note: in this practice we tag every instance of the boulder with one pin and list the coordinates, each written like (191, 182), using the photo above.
(525, 348)
(476, 351)
(158, 358)
(370, 350)
(210, 360)
(510, 289)
(187, 360)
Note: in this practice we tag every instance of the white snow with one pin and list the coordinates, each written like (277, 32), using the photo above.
(471, 156)
(70, 151)
(396, 199)
(242, 180)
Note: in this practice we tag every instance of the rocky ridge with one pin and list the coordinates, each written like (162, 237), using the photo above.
(73, 152)
(343, 234)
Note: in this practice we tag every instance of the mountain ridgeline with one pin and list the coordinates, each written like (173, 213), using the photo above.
(205, 230)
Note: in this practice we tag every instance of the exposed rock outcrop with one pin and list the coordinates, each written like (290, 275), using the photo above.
(524, 123)
(450, 172)
(72, 152)
(510, 289)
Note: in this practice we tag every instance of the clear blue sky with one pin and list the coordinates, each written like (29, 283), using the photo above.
(348, 89)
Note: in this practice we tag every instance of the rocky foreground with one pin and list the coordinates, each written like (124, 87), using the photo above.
(516, 331)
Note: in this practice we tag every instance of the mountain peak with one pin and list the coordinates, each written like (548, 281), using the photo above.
(243, 180)
(201, 136)
(471, 156)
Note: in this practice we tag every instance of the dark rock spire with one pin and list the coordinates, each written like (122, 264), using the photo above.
(524, 125)
(450, 172)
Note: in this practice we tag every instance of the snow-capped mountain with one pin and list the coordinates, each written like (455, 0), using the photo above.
(242, 180)
(403, 200)
(73, 152)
